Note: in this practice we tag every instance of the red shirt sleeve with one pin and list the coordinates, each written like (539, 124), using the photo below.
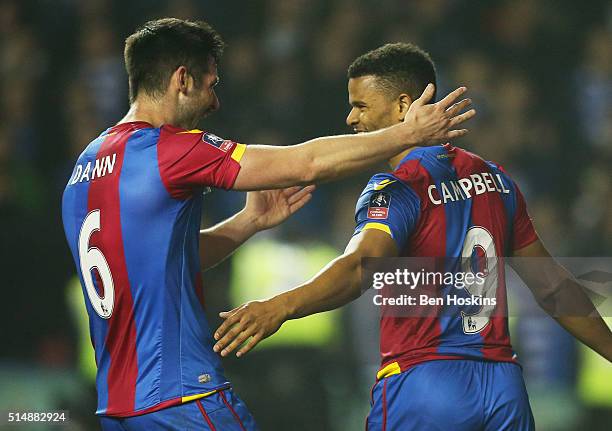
(523, 232)
(190, 160)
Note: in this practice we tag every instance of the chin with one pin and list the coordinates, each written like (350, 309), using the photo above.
(204, 115)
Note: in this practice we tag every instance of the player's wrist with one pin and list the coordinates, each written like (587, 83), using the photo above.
(283, 304)
(406, 135)
(250, 222)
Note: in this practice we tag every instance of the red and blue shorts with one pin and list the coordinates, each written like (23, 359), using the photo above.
(221, 411)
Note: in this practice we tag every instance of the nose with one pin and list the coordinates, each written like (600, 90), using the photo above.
(353, 118)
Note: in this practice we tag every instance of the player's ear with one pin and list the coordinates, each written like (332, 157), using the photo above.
(404, 102)
(180, 78)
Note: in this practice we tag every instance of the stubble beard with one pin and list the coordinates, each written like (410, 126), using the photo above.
(189, 117)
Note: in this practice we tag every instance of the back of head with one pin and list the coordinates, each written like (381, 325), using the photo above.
(156, 49)
(398, 67)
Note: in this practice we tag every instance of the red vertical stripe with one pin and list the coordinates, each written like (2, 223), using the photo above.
(401, 335)
(232, 410)
(372, 393)
(206, 418)
(121, 336)
(371, 404)
(384, 405)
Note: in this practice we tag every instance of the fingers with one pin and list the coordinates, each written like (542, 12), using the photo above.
(458, 107)
(237, 341)
(226, 314)
(461, 118)
(229, 336)
(427, 95)
(451, 97)
(291, 190)
(299, 204)
(255, 339)
(230, 319)
(453, 134)
(300, 194)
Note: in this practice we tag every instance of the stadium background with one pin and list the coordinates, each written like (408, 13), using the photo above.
(540, 74)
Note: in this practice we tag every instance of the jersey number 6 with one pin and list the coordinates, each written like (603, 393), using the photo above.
(92, 258)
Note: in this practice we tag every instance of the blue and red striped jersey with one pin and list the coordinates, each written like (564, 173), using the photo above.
(445, 202)
(131, 212)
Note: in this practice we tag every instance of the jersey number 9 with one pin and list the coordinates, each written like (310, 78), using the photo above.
(479, 238)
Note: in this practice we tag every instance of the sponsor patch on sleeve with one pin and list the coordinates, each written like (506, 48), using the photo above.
(216, 141)
(378, 207)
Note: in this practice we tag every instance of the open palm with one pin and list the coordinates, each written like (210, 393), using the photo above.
(272, 207)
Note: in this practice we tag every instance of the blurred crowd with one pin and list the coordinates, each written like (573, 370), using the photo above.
(539, 72)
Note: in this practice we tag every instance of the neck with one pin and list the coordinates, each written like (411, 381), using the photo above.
(394, 161)
(154, 112)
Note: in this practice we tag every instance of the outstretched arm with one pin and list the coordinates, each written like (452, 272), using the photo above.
(322, 159)
(562, 297)
(263, 210)
(335, 285)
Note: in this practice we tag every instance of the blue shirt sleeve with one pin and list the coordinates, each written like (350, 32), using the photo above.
(389, 205)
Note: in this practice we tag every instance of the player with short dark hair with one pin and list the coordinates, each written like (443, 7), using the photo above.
(158, 48)
(132, 210)
(455, 369)
(399, 68)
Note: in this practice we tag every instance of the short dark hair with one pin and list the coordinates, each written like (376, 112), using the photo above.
(399, 67)
(156, 49)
